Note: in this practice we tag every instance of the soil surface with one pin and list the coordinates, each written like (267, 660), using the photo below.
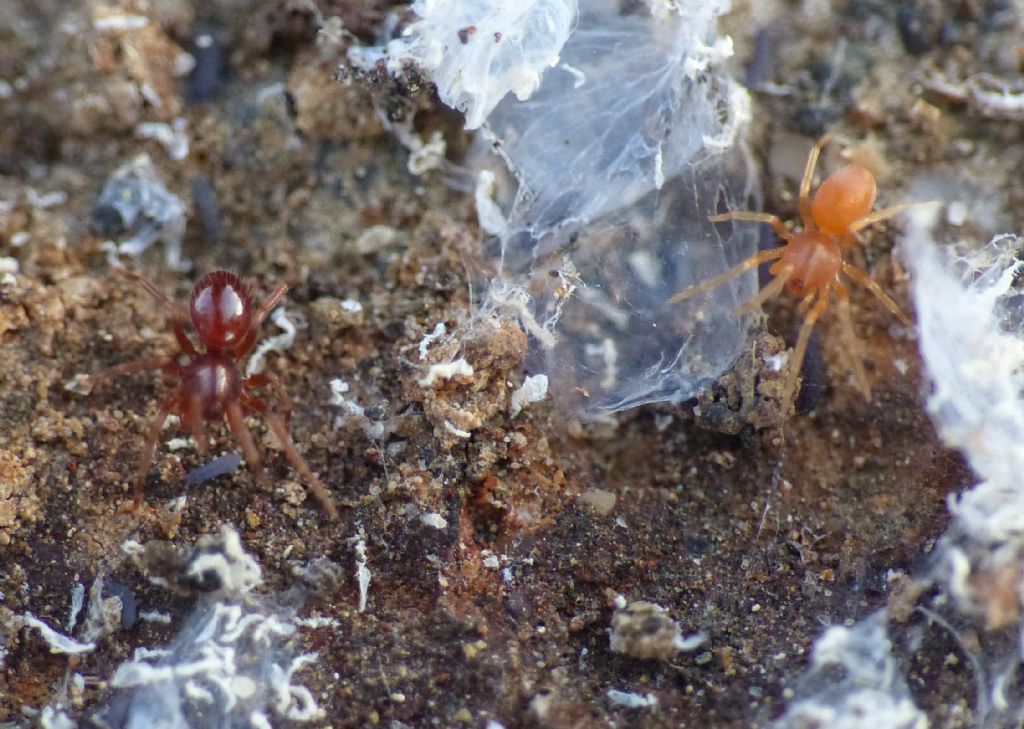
(498, 561)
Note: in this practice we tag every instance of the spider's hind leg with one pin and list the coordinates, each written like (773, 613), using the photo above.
(171, 403)
(769, 291)
(280, 430)
(851, 343)
(261, 379)
(797, 358)
(236, 420)
(864, 279)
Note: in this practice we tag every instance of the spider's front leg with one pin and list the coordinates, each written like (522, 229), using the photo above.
(751, 217)
(173, 312)
(707, 285)
(169, 365)
(804, 199)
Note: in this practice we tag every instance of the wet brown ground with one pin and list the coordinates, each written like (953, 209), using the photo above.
(760, 538)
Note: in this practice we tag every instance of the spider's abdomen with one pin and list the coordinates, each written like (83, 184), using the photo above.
(221, 310)
(216, 381)
(846, 196)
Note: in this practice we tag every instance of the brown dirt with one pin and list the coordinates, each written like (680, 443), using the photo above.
(758, 537)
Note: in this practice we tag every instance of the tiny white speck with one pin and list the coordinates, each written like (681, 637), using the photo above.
(956, 213)
(434, 520)
(777, 361)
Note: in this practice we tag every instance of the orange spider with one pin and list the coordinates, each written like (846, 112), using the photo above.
(810, 262)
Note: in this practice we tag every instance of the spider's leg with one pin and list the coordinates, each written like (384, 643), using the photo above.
(805, 303)
(864, 279)
(800, 350)
(249, 341)
(169, 405)
(807, 179)
(280, 430)
(770, 290)
(154, 362)
(192, 419)
(236, 419)
(268, 306)
(173, 312)
(850, 342)
(884, 214)
(848, 240)
(151, 289)
(750, 216)
(715, 281)
(283, 401)
(178, 323)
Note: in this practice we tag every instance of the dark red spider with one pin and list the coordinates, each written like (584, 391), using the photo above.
(211, 386)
